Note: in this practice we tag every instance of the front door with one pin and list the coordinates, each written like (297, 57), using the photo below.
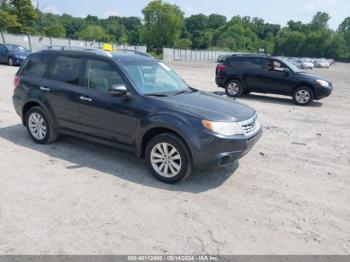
(101, 115)
(277, 78)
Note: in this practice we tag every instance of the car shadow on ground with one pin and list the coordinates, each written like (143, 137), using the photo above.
(80, 154)
(270, 99)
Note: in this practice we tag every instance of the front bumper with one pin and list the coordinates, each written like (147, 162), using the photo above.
(218, 151)
(323, 92)
(18, 61)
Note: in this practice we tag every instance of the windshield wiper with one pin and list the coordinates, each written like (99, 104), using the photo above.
(158, 95)
(182, 92)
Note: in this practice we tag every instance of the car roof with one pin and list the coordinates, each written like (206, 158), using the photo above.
(118, 55)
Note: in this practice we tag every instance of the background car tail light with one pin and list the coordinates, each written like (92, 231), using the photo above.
(221, 68)
(17, 81)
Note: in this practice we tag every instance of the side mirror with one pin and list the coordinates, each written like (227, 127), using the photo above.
(286, 71)
(118, 90)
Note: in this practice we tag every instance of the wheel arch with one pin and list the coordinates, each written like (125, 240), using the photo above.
(301, 84)
(169, 124)
(34, 102)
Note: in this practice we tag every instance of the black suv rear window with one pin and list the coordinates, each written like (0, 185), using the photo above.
(65, 69)
(234, 61)
(35, 66)
(254, 63)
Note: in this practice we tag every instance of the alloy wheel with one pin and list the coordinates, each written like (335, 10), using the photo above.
(233, 89)
(166, 160)
(302, 96)
(37, 126)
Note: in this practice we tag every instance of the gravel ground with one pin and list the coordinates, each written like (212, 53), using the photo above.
(290, 195)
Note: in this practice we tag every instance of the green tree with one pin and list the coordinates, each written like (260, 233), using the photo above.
(94, 33)
(344, 28)
(72, 25)
(26, 15)
(196, 23)
(9, 22)
(215, 21)
(183, 43)
(319, 21)
(163, 23)
(55, 30)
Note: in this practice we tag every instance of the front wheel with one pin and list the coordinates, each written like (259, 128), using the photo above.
(233, 88)
(303, 96)
(168, 158)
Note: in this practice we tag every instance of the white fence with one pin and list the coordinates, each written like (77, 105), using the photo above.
(171, 54)
(35, 43)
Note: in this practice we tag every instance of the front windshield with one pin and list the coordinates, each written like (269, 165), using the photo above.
(153, 78)
(16, 48)
(293, 67)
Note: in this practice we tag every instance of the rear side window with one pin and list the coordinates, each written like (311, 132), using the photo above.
(234, 62)
(255, 63)
(65, 69)
(36, 66)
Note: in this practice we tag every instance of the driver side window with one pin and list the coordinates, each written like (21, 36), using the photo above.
(101, 75)
(274, 65)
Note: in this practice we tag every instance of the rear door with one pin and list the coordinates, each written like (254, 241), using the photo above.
(254, 73)
(62, 86)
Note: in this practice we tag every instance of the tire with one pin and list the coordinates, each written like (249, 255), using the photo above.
(10, 62)
(36, 119)
(303, 96)
(168, 167)
(234, 88)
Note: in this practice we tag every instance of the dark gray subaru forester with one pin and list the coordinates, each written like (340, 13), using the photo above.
(133, 102)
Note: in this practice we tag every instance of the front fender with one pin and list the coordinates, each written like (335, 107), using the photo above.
(184, 127)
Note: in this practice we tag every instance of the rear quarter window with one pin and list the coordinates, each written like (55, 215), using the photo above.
(35, 66)
(234, 62)
(256, 63)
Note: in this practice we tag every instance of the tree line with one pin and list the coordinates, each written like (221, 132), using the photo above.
(165, 25)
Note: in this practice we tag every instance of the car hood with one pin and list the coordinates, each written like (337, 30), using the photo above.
(209, 106)
(314, 77)
(20, 54)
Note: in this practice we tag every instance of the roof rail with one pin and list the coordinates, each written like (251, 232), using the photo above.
(134, 51)
(251, 54)
(77, 48)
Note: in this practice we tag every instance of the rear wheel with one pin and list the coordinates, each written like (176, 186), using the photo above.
(233, 88)
(38, 126)
(303, 95)
(168, 158)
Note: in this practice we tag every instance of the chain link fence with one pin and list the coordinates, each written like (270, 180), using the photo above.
(34, 43)
(171, 54)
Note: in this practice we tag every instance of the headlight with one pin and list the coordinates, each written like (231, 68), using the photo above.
(223, 128)
(323, 83)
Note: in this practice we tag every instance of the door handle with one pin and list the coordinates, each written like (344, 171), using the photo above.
(85, 98)
(44, 89)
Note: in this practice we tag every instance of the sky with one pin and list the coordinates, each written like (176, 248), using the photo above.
(272, 11)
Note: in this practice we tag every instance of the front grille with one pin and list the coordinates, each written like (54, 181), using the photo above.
(251, 126)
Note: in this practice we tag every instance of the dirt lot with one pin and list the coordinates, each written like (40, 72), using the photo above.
(290, 195)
